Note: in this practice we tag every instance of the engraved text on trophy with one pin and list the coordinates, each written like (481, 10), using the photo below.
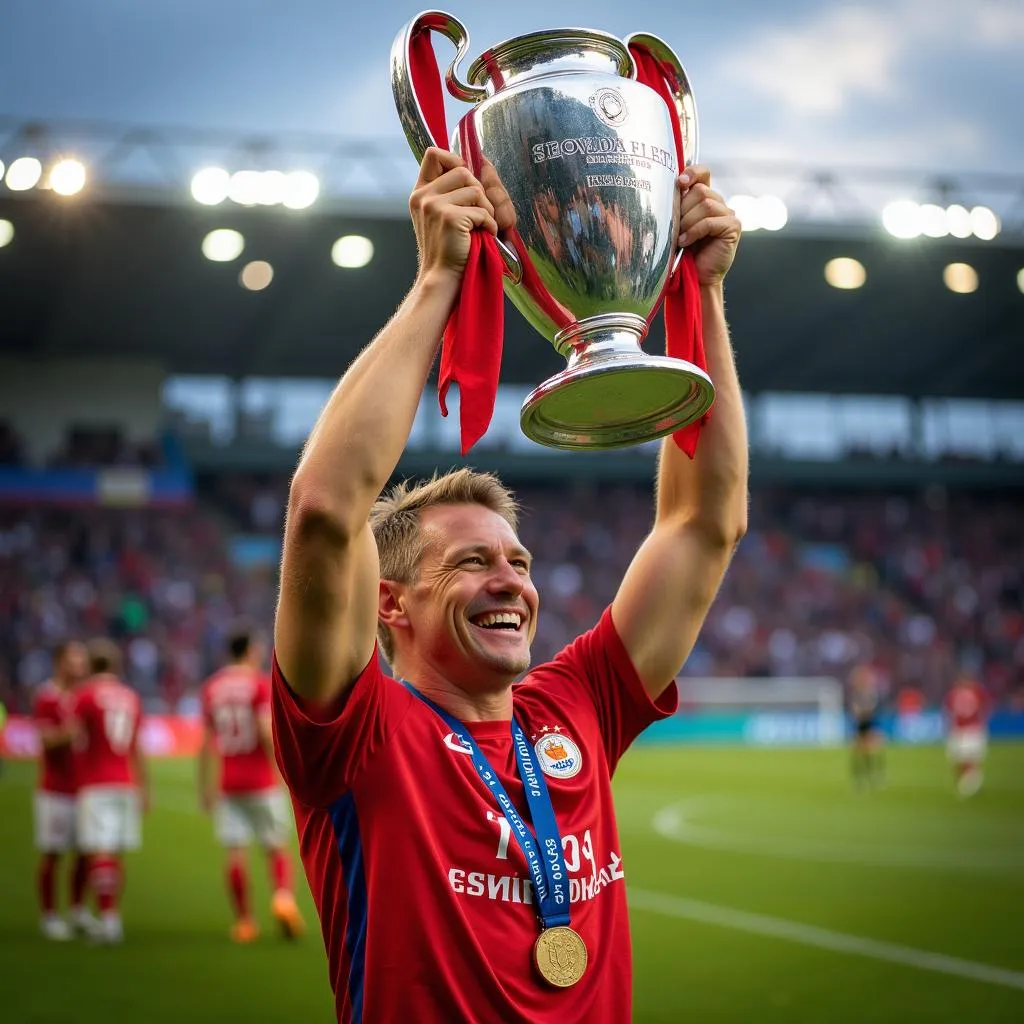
(605, 150)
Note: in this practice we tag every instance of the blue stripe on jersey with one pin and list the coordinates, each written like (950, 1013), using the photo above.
(350, 847)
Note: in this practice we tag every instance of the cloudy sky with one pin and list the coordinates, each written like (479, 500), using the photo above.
(924, 84)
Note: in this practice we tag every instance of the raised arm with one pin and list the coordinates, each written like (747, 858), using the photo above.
(327, 609)
(701, 504)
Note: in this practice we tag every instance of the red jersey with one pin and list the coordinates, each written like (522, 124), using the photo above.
(234, 699)
(967, 706)
(108, 715)
(424, 897)
(52, 707)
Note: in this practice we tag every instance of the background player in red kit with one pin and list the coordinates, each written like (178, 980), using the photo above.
(437, 900)
(248, 803)
(113, 788)
(967, 709)
(55, 806)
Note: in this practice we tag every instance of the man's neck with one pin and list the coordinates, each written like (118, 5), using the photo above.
(463, 704)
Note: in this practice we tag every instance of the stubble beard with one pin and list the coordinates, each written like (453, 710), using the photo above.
(509, 663)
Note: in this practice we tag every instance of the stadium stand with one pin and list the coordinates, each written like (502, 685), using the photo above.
(922, 583)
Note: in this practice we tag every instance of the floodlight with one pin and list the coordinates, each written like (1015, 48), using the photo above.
(256, 276)
(67, 176)
(23, 174)
(352, 251)
(301, 190)
(223, 245)
(902, 218)
(244, 188)
(746, 208)
(771, 213)
(210, 185)
(845, 272)
(961, 278)
(984, 223)
(934, 221)
(958, 220)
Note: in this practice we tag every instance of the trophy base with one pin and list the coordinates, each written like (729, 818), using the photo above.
(613, 395)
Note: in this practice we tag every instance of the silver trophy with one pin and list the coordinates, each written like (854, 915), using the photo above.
(587, 156)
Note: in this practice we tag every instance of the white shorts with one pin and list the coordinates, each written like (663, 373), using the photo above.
(109, 819)
(967, 746)
(54, 815)
(239, 818)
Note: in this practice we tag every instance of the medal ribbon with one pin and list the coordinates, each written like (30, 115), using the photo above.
(543, 854)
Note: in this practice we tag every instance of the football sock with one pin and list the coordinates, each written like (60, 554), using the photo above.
(238, 887)
(280, 871)
(46, 880)
(106, 878)
(79, 874)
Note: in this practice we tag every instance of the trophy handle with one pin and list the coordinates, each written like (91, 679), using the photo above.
(410, 112)
(682, 95)
(679, 86)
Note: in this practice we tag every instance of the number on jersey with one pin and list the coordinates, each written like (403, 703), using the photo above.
(119, 725)
(235, 726)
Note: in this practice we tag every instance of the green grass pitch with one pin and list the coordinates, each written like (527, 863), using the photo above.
(763, 889)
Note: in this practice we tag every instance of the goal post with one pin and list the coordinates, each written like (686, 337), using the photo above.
(795, 711)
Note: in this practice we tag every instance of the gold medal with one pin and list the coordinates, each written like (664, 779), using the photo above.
(560, 955)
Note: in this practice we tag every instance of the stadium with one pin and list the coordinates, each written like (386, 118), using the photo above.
(177, 307)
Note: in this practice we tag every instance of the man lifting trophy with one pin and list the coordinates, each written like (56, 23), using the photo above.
(458, 832)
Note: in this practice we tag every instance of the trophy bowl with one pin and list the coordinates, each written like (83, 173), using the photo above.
(587, 156)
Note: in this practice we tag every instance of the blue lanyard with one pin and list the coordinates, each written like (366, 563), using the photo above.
(543, 855)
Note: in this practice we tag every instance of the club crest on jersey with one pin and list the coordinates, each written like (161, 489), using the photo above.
(559, 756)
(453, 741)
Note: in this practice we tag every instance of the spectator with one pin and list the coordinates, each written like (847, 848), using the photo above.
(921, 585)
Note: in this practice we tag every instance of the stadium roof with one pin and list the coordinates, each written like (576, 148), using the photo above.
(117, 278)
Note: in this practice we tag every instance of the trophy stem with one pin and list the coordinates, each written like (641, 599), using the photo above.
(612, 394)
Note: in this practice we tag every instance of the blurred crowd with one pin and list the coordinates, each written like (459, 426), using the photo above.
(83, 448)
(921, 585)
(160, 582)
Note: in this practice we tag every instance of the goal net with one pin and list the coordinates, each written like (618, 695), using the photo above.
(768, 711)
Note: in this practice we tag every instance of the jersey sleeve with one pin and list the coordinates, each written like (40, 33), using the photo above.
(596, 668)
(321, 751)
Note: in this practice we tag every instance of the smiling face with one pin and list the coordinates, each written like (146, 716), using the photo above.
(470, 614)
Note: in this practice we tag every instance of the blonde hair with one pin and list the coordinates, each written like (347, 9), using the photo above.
(395, 522)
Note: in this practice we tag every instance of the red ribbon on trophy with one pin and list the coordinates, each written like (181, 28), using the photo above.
(473, 337)
(684, 336)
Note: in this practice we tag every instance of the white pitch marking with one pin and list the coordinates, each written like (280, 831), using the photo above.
(676, 822)
(822, 938)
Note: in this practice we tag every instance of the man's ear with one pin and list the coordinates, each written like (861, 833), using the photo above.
(391, 605)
